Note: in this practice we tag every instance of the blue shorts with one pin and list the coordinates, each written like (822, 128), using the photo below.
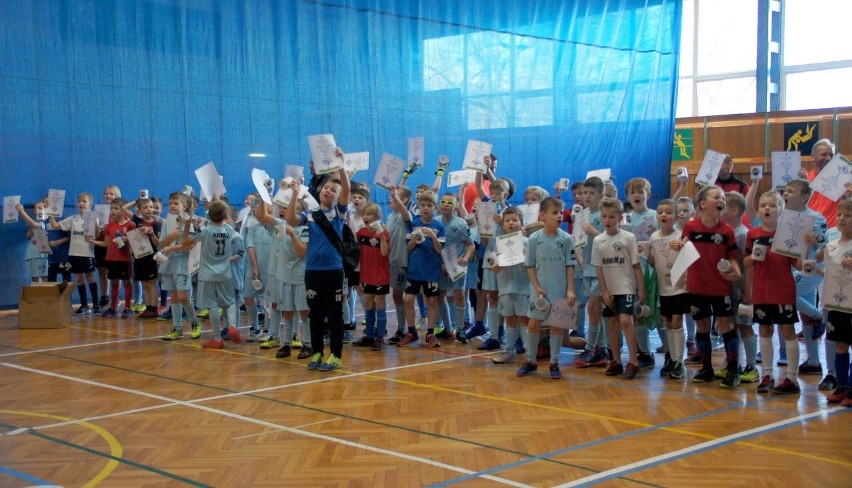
(514, 304)
(175, 282)
(215, 294)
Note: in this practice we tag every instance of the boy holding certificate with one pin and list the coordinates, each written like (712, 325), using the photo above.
(837, 255)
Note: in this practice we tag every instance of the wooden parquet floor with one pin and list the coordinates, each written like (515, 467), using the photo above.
(106, 403)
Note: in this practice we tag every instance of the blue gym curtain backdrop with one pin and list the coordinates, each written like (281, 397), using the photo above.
(141, 93)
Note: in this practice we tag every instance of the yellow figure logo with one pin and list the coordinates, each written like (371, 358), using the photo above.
(799, 138)
(678, 141)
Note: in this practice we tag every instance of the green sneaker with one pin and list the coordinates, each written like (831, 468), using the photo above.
(314, 364)
(721, 374)
(438, 330)
(272, 343)
(203, 313)
(195, 332)
(296, 344)
(333, 362)
(173, 335)
(749, 375)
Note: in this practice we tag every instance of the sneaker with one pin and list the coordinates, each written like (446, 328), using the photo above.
(296, 343)
(364, 341)
(234, 334)
(444, 334)
(138, 307)
(786, 387)
(96, 310)
(315, 362)
(333, 362)
(519, 346)
(766, 384)
(263, 337)
(224, 333)
(195, 330)
(175, 334)
(305, 353)
(828, 383)
(749, 375)
(214, 344)
(584, 359)
(630, 371)
(272, 343)
(667, 367)
(439, 329)
(253, 333)
(505, 356)
(695, 358)
(555, 374)
(758, 359)
(347, 337)
(283, 352)
(601, 359)
(678, 371)
(104, 301)
(646, 360)
(489, 344)
(478, 329)
(167, 315)
(109, 313)
(527, 369)
(814, 369)
(819, 330)
(732, 379)
(782, 359)
(378, 344)
(432, 341)
(840, 394)
(722, 373)
(127, 313)
(846, 403)
(203, 313)
(408, 339)
(614, 369)
(149, 314)
(400, 335)
(704, 375)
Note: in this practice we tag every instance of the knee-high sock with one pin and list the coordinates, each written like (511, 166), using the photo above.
(113, 289)
(702, 341)
(555, 344)
(137, 292)
(643, 337)
(581, 320)
(177, 314)
(370, 317)
(381, 322)
(511, 337)
(732, 348)
(274, 321)
(767, 355)
(287, 329)
(216, 324)
(251, 310)
(792, 359)
(841, 364)
(93, 290)
(830, 353)
(444, 313)
(525, 337)
(811, 345)
(164, 297)
(84, 301)
(750, 348)
(677, 339)
(531, 345)
(493, 317)
(233, 314)
(400, 318)
(458, 317)
(189, 310)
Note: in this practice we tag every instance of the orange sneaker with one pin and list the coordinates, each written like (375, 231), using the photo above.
(234, 335)
(214, 344)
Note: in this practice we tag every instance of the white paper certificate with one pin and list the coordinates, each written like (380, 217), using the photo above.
(474, 156)
(529, 213)
(451, 263)
(837, 285)
(579, 235)
(561, 315)
(90, 223)
(10, 213)
(709, 170)
(604, 174)
(831, 181)
(463, 177)
(259, 178)
(210, 181)
(356, 161)
(323, 153)
(55, 202)
(293, 171)
(785, 167)
(687, 255)
(194, 262)
(140, 244)
(389, 171)
(485, 218)
(416, 150)
(790, 235)
(41, 241)
(102, 210)
(510, 249)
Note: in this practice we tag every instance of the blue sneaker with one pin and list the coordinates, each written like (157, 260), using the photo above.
(489, 345)
(527, 369)
(109, 313)
(477, 330)
(519, 346)
(315, 362)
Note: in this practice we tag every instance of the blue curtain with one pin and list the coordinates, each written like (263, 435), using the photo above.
(140, 93)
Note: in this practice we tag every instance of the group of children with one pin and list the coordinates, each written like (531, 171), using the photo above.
(619, 268)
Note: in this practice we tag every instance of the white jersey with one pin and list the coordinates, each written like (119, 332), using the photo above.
(664, 259)
(79, 247)
(616, 255)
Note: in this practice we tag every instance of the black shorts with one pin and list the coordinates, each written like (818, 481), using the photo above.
(774, 314)
(100, 256)
(703, 306)
(623, 305)
(674, 305)
(118, 270)
(145, 269)
(81, 264)
(375, 289)
(839, 327)
(427, 288)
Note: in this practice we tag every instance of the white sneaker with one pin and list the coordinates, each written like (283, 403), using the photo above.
(421, 323)
(263, 337)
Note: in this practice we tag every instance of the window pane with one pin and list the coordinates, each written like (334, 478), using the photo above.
(533, 111)
(722, 97)
(684, 98)
(603, 106)
(488, 112)
(687, 38)
(443, 63)
(816, 31)
(533, 63)
(727, 36)
(489, 64)
(819, 89)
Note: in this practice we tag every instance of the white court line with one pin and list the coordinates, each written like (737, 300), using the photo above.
(280, 430)
(75, 346)
(688, 451)
(271, 425)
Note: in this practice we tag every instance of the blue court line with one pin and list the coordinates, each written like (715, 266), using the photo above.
(24, 476)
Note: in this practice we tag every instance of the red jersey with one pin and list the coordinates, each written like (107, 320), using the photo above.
(375, 268)
(773, 282)
(111, 229)
(713, 245)
(822, 204)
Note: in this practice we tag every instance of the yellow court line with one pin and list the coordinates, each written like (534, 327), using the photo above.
(116, 450)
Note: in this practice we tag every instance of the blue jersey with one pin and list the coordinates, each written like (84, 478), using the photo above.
(550, 256)
(597, 223)
(217, 247)
(514, 279)
(322, 254)
(60, 252)
(424, 263)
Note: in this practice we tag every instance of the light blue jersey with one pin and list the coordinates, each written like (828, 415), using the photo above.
(597, 223)
(514, 279)
(178, 262)
(456, 234)
(216, 251)
(259, 239)
(642, 224)
(549, 256)
(397, 230)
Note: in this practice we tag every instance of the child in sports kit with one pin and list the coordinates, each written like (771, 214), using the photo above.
(709, 283)
(81, 254)
(674, 299)
(36, 261)
(238, 272)
(773, 293)
(111, 192)
(615, 256)
(513, 285)
(118, 264)
(258, 242)
(550, 267)
(145, 268)
(215, 286)
(375, 276)
(456, 237)
(398, 255)
(685, 213)
(837, 255)
(596, 352)
(174, 272)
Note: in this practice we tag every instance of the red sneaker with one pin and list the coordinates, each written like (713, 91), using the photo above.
(234, 335)
(214, 344)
